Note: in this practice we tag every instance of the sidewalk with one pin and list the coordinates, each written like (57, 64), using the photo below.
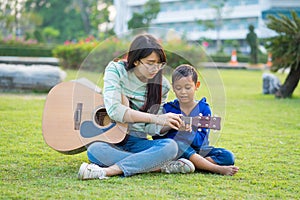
(29, 60)
(221, 65)
(55, 62)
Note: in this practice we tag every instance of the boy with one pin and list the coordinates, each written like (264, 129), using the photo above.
(193, 142)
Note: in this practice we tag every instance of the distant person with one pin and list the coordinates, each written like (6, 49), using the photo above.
(253, 43)
(140, 80)
(271, 83)
(193, 142)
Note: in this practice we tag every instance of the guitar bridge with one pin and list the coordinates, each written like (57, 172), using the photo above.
(77, 116)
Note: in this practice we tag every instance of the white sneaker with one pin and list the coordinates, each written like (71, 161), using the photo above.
(181, 165)
(91, 171)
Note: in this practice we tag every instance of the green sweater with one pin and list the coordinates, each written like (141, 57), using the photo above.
(118, 81)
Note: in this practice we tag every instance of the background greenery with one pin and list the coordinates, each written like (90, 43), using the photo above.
(262, 131)
(93, 55)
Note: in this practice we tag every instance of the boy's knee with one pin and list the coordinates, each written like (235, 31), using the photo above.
(228, 157)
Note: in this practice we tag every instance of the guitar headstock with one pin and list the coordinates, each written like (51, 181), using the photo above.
(203, 122)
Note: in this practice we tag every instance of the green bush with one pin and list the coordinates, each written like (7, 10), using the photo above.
(71, 56)
(28, 51)
(91, 55)
(11, 46)
(94, 56)
(262, 58)
(179, 52)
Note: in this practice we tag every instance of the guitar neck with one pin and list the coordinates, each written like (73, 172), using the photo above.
(203, 122)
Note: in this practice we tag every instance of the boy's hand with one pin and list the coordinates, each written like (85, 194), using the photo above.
(169, 119)
(186, 125)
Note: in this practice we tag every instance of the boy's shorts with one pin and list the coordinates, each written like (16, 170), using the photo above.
(220, 156)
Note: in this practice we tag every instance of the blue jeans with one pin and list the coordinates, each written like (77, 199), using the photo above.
(137, 155)
(220, 156)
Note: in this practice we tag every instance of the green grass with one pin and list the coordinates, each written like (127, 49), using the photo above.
(263, 132)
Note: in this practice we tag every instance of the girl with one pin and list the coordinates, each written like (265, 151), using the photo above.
(140, 80)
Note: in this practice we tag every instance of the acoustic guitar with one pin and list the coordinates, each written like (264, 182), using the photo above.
(74, 116)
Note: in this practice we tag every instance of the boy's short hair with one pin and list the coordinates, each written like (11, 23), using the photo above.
(184, 70)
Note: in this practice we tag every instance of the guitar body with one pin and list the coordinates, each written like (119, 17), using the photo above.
(74, 116)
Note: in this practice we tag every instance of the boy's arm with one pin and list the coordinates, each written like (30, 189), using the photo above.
(164, 130)
(187, 127)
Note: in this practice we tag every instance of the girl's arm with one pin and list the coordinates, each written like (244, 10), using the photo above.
(169, 119)
(115, 73)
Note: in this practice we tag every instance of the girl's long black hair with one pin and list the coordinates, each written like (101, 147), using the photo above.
(142, 46)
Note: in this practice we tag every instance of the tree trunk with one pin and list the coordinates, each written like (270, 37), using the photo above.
(290, 84)
(84, 16)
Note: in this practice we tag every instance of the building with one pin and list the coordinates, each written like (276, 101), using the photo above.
(182, 16)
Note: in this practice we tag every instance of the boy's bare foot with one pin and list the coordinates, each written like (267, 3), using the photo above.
(228, 170)
(207, 164)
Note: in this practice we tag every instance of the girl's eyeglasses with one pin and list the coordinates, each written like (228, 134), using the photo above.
(152, 67)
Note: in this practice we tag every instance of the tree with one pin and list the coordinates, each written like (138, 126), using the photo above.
(10, 17)
(218, 6)
(101, 18)
(139, 20)
(285, 48)
(82, 7)
(50, 33)
(251, 38)
(58, 15)
(95, 14)
(74, 19)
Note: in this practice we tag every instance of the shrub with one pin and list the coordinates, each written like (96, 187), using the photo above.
(92, 55)
(179, 52)
(18, 41)
(262, 58)
(11, 46)
(71, 56)
(89, 54)
(25, 51)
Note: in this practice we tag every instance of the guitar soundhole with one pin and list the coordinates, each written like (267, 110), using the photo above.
(101, 117)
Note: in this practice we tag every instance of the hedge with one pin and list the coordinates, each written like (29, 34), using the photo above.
(28, 51)
(94, 56)
(262, 58)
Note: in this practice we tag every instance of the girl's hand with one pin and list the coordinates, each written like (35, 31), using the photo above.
(169, 119)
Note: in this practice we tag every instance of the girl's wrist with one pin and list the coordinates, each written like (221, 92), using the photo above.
(154, 119)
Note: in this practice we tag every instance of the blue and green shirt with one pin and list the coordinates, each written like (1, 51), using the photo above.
(118, 81)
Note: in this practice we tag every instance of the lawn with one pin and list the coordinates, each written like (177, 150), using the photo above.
(263, 132)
